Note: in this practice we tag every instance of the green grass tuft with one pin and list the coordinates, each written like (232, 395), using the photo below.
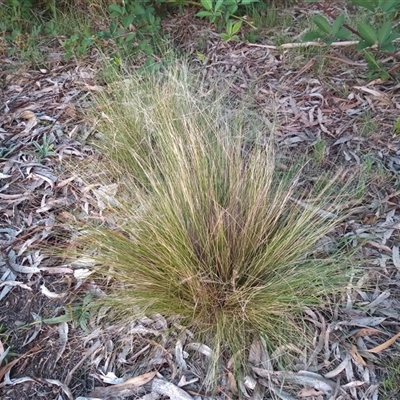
(209, 230)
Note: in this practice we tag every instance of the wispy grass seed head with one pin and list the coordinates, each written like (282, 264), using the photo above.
(208, 233)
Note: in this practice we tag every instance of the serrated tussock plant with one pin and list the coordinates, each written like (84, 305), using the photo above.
(207, 231)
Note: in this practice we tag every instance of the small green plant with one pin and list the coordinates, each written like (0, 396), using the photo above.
(132, 26)
(43, 150)
(231, 30)
(319, 151)
(7, 354)
(328, 32)
(221, 13)
(77, 313)
(367, 124)
(381, 35)
(78, 44)
(396, 127)
(208, 232)
(378, 6)
(20, 9)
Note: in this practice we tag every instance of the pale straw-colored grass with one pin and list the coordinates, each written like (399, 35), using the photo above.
(208, 232)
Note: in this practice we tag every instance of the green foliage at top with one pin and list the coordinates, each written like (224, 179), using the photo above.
(132, 28)
(207, 230)
(378, 31)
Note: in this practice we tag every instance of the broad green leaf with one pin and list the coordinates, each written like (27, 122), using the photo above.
(236, 27)
(364, 3)
(388, 47)
(362, 44)
(247, 2)
(218, 5)
(115, 9)
(152, 19)
(337, 24)
(127, 20)
(207, 4)
(228, 27)
(311, 36)
(367, 32)
(370, 58)
(113, 27)
(119, 32)
(384, 75)
(225, 37)
(393, 36)
(388, 5)
(322, 24)
(343, 33)
(232, 9)
(139, 10)
(130, 36)
(204, 14)
(384, 32)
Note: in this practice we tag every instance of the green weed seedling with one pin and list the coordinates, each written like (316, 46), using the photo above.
(223, 12)
(396, 127)
(319, 151)
(367, 124)
(77, 313)
(8, 354)
(43, 150)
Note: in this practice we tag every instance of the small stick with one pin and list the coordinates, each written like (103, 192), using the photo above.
(303, 44)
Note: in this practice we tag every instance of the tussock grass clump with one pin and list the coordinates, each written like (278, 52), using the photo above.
(208, 231)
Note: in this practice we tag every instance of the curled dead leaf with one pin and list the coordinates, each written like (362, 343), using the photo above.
(384, 345)
(27, 115)
(367, 332)
(122, 389)
(232, 383)
(356, 356)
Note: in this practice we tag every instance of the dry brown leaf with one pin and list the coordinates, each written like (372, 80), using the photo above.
(308, 392)
(140, 380)
(27, 115)
(232, 383)
(93, 88)
(70, 110)
(255, 353)
(384, 345)
(356, 356)
(379, 246)
(367, 332)
(123, 388)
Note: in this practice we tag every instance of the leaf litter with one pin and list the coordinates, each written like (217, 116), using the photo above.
(40, 201)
